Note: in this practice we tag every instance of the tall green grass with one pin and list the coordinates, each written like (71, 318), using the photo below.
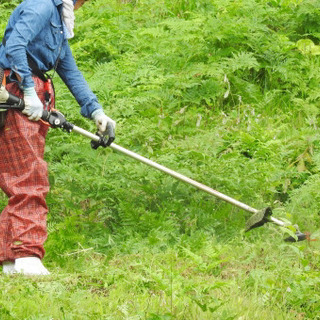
(222, 91)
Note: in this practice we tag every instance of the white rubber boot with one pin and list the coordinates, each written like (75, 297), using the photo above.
(31, 266)
(8, 267)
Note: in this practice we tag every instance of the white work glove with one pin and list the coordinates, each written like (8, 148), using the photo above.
(104, 123)
(33, 106)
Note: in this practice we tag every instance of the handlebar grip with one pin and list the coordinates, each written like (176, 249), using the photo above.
(103, 142)
(15, 101)
(111, 135)
(45, 115)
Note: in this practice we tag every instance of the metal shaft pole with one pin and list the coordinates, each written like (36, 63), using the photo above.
(169, 171)
(176, 175)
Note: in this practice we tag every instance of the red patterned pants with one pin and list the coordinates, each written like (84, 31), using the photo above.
(24, 179)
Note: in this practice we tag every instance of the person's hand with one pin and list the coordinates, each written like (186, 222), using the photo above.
(103, 122)
(33, 106)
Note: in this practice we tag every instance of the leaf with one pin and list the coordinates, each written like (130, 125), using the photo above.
(305, 46)
(291, 233)
(301, 166)
(315, 51)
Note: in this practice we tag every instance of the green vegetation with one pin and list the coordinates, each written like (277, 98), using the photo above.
(225, 92)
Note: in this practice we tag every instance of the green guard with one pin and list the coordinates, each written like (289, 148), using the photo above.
(258, 219)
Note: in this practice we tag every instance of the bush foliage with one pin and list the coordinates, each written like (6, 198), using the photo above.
(225, 92)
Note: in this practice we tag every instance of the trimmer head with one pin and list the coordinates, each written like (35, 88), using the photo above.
(300, 237)
(263, 216)
(259, 219)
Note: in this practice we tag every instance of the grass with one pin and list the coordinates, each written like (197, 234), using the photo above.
(222, 95)
(223, 280)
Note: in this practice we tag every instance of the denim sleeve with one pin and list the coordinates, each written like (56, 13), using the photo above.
(31, 21)
(73, 78)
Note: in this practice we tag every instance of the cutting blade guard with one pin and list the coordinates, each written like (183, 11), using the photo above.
(259, 219)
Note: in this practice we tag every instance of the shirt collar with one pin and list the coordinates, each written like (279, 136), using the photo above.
(57, 2)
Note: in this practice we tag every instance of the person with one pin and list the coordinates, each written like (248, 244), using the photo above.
(35, 41)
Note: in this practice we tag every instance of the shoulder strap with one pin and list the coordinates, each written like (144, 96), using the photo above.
(35, 70)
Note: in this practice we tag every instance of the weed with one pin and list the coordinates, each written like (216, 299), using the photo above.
(226, 92)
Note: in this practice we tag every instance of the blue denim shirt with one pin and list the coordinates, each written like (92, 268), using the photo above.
(35, 27)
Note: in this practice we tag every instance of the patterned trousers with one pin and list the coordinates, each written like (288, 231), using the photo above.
(24, 179)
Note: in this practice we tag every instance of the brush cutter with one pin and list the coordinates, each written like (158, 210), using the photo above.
(57, 120)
